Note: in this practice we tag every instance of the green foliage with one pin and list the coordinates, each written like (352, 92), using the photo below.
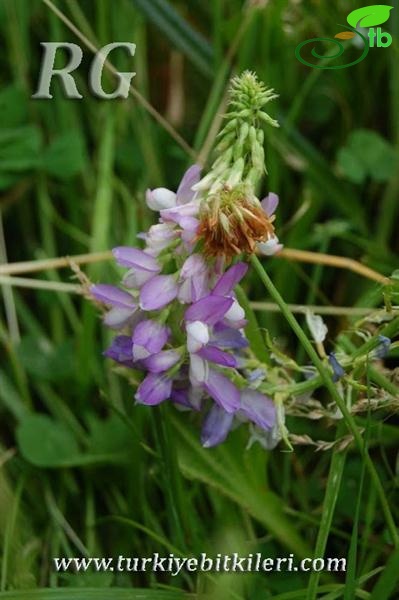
(82, 468)
(367, 154)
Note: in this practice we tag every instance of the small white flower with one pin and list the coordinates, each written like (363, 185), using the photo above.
(317, 327)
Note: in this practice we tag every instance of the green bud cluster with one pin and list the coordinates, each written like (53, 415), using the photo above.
(240, 156)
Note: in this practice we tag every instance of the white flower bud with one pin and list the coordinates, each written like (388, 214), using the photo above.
(317, 327)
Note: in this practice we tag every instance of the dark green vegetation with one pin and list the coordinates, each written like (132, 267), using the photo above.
(82, 470)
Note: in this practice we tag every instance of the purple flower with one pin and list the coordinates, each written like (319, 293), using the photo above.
(209, 310)
(121, 350)
(271, 246)
(162, 361)
(185, 192)
(270, 203)
(227, 338)
(158, 292)
(216, 426)
(149, 337)
(123, 306)
(142, 266)
(159, 237)
(258, 408)
(338, 370)
(217, 356)
(230, 279)
(154, 389)
(383, 347)
(222, 390)
(161, 198)
(194, 279)
(113, 296)
(201, 356)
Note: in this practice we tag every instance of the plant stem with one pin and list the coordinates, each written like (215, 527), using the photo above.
(326, 377)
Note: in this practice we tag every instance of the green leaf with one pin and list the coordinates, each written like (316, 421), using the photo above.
(13, 106)
(45, 443)
(367, 154)
(19, 149)
(65, 157)
(109, 436)
(351, 166)
(369, 16)
(45, 361)
(92, 594)
(387, 583)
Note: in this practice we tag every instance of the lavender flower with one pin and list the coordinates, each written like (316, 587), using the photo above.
(179, 319)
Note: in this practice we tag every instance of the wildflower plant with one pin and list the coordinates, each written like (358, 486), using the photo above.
(178, 317)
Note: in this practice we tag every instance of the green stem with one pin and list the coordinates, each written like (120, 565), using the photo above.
(326, 377)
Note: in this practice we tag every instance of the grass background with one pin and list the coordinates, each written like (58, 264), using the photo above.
(83, 471)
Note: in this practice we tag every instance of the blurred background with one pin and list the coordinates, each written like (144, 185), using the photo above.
(82, 470)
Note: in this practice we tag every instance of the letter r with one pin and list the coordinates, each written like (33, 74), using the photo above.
(47, 70)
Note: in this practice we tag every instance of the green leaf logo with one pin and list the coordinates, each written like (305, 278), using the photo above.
(369, 16)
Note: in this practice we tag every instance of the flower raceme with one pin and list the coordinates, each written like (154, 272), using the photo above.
(177, 315)
(185, 329)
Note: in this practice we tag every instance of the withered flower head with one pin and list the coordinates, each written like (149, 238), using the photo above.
(232, 221)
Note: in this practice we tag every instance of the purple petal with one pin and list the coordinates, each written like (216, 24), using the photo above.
(193, 265)
(216, 426)
(110, 294)
(154, 389)
(217, 356)
(229, 280)
(228, 338)
(157, 363)
(151, 336)
(136, 278)
(117, 318)
(383, 348)
(180, 396)
(179, 214)
(158, 292)
(223, 391)
(133, 257)
(338, 370)
(120, 349)
(258, 408)
(270, 203)
(184, 192)
(210, 309)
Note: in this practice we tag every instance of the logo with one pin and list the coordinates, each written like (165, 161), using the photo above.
(48, 71)
(370, 17)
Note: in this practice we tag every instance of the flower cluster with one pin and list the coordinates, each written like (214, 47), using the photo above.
(177, 315)
(180, 321)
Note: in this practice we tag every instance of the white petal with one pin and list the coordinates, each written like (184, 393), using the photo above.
(270, 247)
(199, 370)
(235, 312)
(160, 198)
(197, 335)
(317, 327)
